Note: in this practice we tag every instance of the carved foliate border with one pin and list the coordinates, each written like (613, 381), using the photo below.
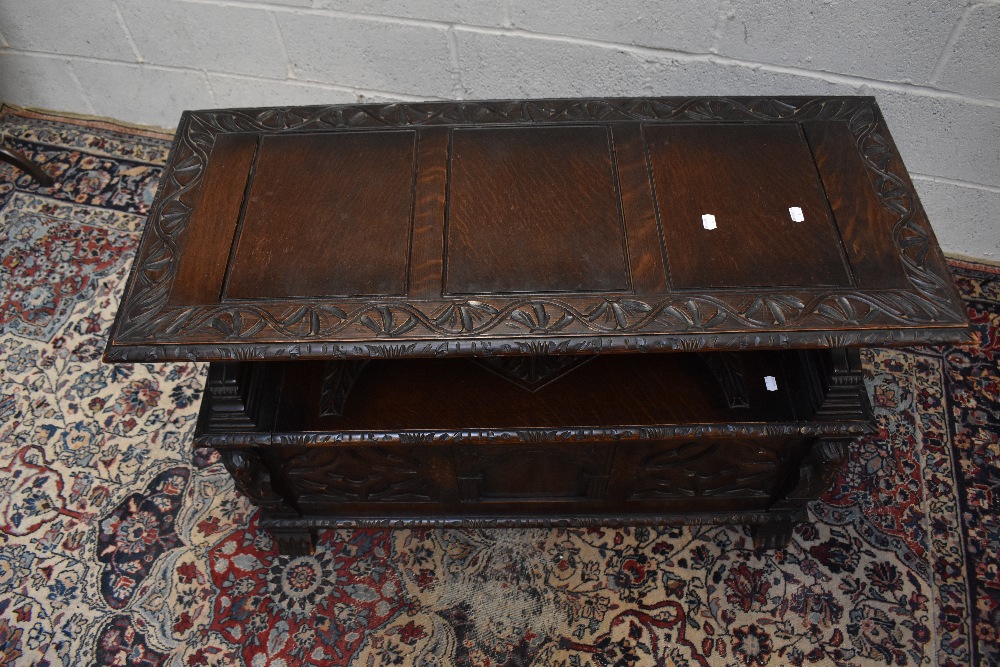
(147, 329)
(708, 518)
(533, 435)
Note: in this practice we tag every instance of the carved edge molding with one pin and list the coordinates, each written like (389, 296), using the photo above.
(531, 372)
(680, 342)
(197, 330)
(530, 435)
(583, 521)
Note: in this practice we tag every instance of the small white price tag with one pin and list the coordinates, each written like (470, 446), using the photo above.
(771, 383)
(708, 221)
(796, 214)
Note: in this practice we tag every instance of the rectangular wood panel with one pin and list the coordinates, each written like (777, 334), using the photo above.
(865, 225)
(213, 222)
(747, 177)
(327, 215)
(533, 210)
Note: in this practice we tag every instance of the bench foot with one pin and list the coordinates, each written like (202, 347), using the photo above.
(293, 541)
(774, 535)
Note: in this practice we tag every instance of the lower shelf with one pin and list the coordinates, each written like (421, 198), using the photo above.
(628, 439)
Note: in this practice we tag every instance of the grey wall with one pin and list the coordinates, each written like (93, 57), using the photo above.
(934, 65)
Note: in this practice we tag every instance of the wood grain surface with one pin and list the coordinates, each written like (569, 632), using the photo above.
(565, 226)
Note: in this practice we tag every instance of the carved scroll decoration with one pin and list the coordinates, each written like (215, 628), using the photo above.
(709, 469)
(533, 371)
(352, 475)
(528, 435)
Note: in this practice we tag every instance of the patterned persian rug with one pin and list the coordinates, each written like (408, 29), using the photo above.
(121, 546)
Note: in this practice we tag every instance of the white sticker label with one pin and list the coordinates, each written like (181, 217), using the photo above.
(771, 383)
(708, 221)
(796, 214)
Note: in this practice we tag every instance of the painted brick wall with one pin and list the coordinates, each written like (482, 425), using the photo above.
(934, 65)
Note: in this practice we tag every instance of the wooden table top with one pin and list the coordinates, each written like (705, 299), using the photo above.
(542, 226)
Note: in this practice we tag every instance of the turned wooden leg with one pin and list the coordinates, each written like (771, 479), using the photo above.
(773, 535)
(293, 541)
(27, 165)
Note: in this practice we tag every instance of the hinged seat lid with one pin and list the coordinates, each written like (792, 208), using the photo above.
(526, 227)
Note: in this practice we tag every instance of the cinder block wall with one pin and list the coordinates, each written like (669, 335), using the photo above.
(934, 65)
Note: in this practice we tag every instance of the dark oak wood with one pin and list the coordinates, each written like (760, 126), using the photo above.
(409, 308)
(211, 224)
(426, 256)
(314, 225)
(748, 177)
(648, 270)
(865, 225)
(446, 442)
(515, 194)
(446, 394)
(774, 535)
(573, 226)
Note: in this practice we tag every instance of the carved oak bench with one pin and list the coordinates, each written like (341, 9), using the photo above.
(547, 312)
